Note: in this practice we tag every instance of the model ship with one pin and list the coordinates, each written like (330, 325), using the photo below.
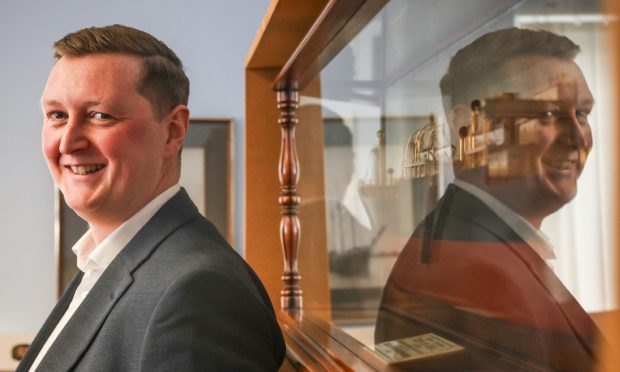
(399, 202)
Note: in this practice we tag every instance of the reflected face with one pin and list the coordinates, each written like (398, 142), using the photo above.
(558, 141)
(102, 142)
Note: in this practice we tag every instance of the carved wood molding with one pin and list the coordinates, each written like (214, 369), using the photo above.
(290, 229)
(337, 24)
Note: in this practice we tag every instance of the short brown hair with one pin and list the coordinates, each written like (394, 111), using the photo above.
(479, 64)
(163, 81)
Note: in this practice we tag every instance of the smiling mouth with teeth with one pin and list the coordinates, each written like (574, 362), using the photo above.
(83, 170)
(560, 164)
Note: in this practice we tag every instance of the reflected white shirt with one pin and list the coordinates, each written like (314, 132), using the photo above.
(94, 264)
(535, 238)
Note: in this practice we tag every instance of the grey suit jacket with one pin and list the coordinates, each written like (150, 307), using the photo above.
(177, 298)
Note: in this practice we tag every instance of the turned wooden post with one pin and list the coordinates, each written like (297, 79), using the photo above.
(290, 230)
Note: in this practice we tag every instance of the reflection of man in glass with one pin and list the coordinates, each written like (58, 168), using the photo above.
(349, 241)
(475, 270)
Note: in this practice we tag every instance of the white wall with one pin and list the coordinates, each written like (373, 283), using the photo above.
(212, 38)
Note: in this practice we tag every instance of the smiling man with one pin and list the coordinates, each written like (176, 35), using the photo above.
(158, 287)
(477, 269)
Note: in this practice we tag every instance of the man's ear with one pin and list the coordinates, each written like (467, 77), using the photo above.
(459, 116)
(176, 123)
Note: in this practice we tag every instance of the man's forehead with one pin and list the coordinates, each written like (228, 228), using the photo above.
(102, 71)
(103, 65)
(539, 77)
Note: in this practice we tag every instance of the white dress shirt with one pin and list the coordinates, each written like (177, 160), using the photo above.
(535, 238)
(93, 264)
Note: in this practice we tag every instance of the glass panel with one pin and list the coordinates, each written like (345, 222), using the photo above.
(468, 195)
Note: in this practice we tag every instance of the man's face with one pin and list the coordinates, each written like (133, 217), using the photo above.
(558, 141)
(554, 142)
(103, 144)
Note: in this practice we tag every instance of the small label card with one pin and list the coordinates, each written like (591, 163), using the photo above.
(416, 347)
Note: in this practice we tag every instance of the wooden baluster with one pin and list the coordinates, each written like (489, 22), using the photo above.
(290, 229)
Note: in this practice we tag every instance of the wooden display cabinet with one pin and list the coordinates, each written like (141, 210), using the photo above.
(284, 163)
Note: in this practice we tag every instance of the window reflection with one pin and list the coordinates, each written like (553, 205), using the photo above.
(475, 269)
(469, 145)
(349, 241)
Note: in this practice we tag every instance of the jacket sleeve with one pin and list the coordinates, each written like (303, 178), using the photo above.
(209, 320)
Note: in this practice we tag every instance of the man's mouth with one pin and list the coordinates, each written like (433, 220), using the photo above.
(83, 170)
(560, 163)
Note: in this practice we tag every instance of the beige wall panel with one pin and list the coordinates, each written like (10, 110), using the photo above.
(611, 322)
(262, 214)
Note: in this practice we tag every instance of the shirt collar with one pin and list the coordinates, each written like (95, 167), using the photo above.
(103, 254)
(534, 237)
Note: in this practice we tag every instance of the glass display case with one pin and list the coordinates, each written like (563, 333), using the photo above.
(462, 215)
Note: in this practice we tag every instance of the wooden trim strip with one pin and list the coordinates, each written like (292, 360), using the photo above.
(336, 26)
(303, 350)
(348, 342)
(313, 345)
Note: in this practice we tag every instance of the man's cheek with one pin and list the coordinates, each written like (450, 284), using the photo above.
(50, 147)
(589, 140)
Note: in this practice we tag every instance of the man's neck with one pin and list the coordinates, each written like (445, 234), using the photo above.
(101, 228)
(514, 197)
(101, 231)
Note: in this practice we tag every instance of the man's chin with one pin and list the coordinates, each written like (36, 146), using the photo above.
(79, 204)
(560, 194)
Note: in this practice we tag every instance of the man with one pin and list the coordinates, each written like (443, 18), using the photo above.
(475, 271)
(348, 240)
(159, 288)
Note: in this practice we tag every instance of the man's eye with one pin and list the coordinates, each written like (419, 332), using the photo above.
(548, 116)
(57, 115)
(101, 116)
(582, 114)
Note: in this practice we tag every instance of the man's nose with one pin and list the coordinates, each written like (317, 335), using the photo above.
(73, 137)
(573, 131)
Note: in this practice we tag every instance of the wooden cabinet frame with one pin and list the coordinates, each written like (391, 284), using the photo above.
(295, 42)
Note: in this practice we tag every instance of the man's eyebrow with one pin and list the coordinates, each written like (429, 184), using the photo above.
(589, 102)
(49, 102)
(56, 102)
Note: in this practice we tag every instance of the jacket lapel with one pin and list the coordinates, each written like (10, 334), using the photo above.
(578, 320)
(85, 323)
(50, 324)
